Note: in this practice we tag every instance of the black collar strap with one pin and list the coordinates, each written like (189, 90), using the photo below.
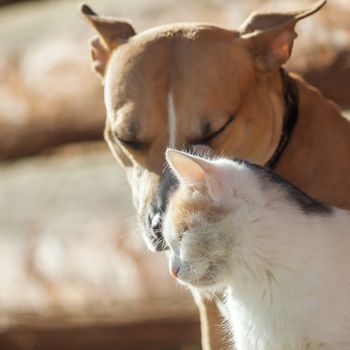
(291, 100)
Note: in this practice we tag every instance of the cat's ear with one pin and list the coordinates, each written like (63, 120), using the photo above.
(189, 169)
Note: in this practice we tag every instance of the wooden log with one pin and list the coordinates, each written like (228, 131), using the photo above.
(167, 334)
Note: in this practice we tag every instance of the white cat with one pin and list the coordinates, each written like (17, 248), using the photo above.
(281, 257)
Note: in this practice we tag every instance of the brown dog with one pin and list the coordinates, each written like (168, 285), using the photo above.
(189, 84)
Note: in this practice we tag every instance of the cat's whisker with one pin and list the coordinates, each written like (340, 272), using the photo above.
(160, 243)
(164, 245)
(193, 270)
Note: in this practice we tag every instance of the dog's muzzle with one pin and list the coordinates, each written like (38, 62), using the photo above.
(167, 185)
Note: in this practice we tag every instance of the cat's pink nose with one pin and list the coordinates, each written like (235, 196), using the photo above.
(174, 270)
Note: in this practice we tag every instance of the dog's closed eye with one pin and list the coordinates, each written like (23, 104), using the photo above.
(210, 135)
(128, 135)
(129, 140)
(131, 143)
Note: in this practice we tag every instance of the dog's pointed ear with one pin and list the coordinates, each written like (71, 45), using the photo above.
(270, 36)
(111, 33)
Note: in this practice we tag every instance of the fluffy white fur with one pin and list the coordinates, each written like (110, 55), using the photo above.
(285, 271)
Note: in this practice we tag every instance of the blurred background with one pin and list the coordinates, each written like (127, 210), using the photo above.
(74, 271)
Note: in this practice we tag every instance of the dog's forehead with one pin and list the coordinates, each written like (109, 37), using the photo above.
(169, 54)
(195, 64)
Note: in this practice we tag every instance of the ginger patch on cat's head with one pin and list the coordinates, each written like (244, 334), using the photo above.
(190, 206)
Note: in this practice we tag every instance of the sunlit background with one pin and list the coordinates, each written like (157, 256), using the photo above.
(74, 271)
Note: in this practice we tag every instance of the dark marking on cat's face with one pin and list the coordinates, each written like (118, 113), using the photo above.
(307, 204)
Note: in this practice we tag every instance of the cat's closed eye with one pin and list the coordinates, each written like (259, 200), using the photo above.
(182, 229)
(180, 235)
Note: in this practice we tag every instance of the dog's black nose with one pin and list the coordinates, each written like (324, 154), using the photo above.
(155, 220)
(155, 228)
(156, 223)
(167, 185)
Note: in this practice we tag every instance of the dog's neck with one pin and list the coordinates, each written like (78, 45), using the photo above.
(312, 157)
(291, 100)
